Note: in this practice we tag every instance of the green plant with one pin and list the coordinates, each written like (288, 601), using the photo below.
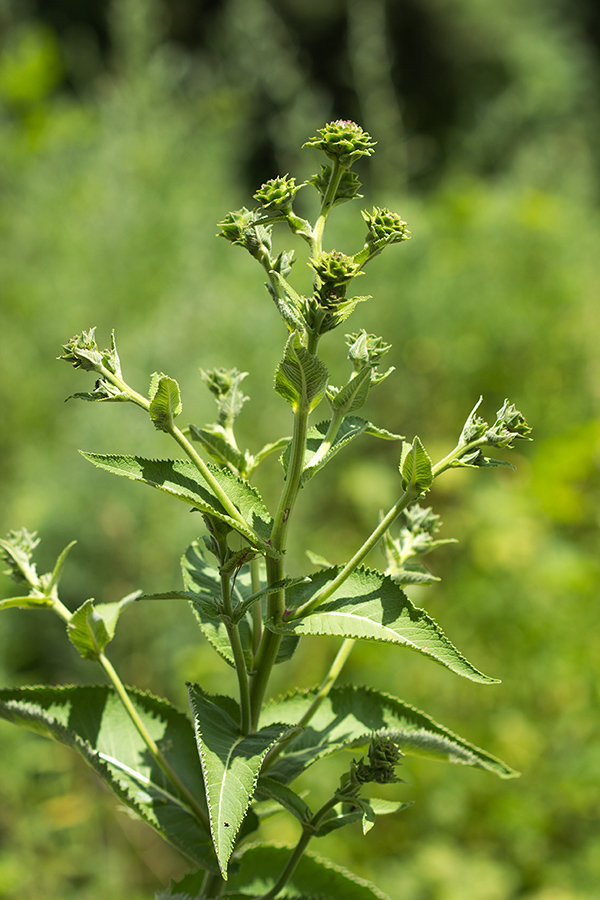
(205, 783)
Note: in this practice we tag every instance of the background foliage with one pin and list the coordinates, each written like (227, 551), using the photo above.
(126, 131)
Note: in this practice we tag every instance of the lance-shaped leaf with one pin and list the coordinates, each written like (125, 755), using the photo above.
(93, 625)
(181, 479)
(285, 796)
(371, 606)
(313, 878)
(92, 721)
(301, 377)
(165, 401)
(350, 715)
(230, 762)
(219, 447)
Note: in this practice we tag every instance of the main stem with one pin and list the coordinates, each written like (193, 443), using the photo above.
(233, 633)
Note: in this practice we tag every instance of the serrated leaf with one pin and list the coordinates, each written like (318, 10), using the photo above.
(230, 762)
(301, 377)
(314, 877)
(354, 394)
(165, 401)
(285, 796)
(92, 721)
(181, 479)
(350, 715)
(415, 466)
(219, 447)
(371, 606)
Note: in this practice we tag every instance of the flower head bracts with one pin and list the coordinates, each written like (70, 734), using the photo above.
(277, 194)
(344, 141)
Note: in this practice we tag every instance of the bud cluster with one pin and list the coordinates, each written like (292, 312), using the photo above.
(277, 194)
(366, 349)
(240, 227)
(335, 271)
(384, 227)
(384, 756)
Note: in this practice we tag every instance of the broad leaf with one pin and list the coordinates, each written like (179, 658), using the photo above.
(165, 401)
(91, 719)
(230, 762)
(181, 479)
(219, 447)
(351, 714)
(301, 377)
(313, 878)
(371, 606)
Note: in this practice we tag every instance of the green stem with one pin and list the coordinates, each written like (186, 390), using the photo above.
(326, 206)
(269, 645)
(233, 633)
(334, 426)
(156, 754)
(405, 500)
(256, 607)
(322, 692)
(212, 885)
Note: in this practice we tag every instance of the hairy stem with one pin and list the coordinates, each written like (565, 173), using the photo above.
(233, 633)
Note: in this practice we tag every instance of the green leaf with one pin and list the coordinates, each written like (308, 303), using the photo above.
(354, 394)
(165, 401)
(301, 377)
(313, 877)
(181, 479)
(219, 447)
(371, 606)
(230, 762)
(203, 582)
(92, 626)
(350, 715)
(285, 796)
(26, 602)
(415, 467)
(91, 720)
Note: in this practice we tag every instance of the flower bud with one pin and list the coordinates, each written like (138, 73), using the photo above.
(385, 227)
(278, 193)
(344, 141)
(347, 189)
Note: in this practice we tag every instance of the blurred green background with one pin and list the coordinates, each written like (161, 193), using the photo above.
(127, 129)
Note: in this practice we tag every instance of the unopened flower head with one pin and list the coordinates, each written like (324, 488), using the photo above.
(344, 141)
(277, 193)
(385, 227)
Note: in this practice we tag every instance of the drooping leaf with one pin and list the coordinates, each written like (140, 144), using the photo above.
(181, 479)
(313, 877)
(371, 606)
(230, 762)
(350, 715)
(91, 720)
(301, 377)
(93, 625)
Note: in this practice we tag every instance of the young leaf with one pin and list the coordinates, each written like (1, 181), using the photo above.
(165, 401)
(230, 762)
(92, 721)
(351, 714)
(371, 606)
(301, 377)
(219, 447)
(93, 625)
(415, 467)
(181, 479)
(313, 878)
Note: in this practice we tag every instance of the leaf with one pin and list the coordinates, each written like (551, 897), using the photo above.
(354, 394)
(371, 606)
(203, 582)
(91, 720)
(230, 762)
(350, 715)
(92, 626)
(165, 401)
(219, 448)
(301, 377)
(313, 877)
(26, 602)
(181, 479)
(285, 796)
(415, 467)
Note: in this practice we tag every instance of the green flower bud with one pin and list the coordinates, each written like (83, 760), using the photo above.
(17, 551)
(278, 193)
(385, 227)
(344, 141)
(365, 349)
(82, 351)
(240, 227)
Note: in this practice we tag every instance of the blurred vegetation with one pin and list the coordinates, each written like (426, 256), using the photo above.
(126, 131)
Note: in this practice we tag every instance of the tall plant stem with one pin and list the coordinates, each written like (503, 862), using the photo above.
(156, 754)
(326, 206)
(233, 633)
(325, 593)
(267, 653)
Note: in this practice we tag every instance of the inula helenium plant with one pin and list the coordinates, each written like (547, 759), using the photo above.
(205, 778)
